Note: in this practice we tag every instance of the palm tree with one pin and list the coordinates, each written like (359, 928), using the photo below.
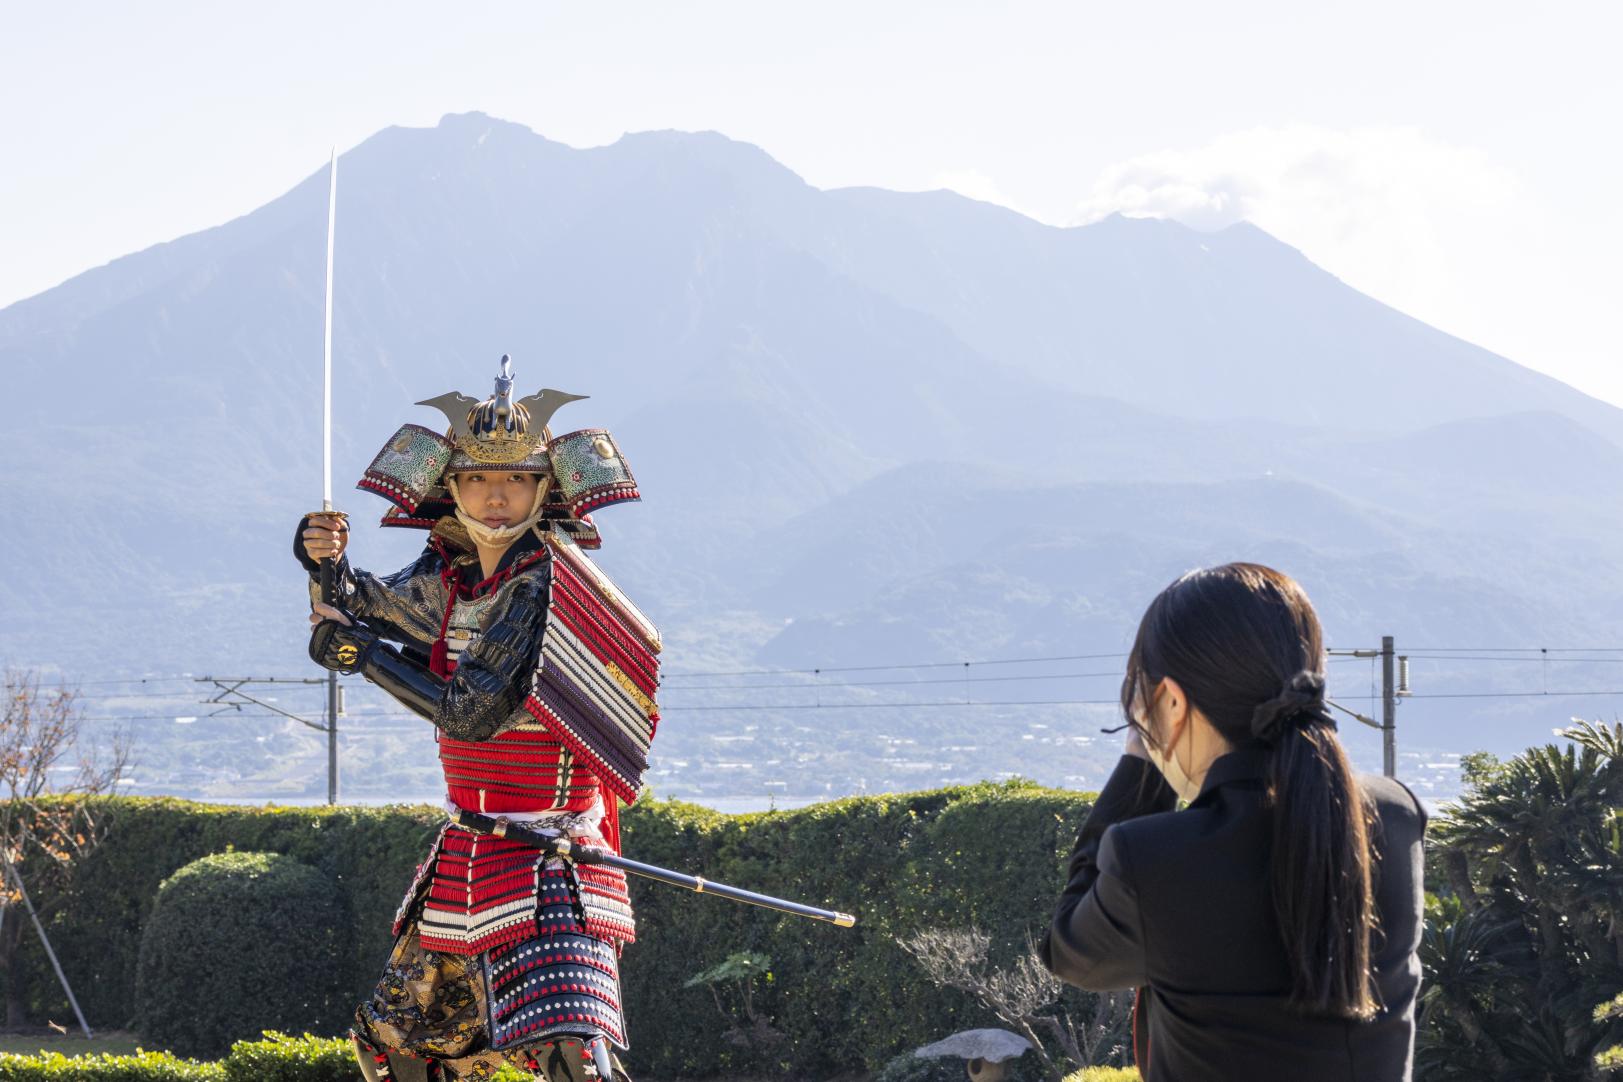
(1532, 937)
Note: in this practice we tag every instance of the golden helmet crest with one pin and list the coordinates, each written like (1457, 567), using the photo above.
(500, 431)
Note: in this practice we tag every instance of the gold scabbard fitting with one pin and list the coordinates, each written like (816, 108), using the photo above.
(698, 882)
(845, 920)
(500, 829)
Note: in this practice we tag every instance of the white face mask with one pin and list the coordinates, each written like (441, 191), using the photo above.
(496, 536)
(1181, 783)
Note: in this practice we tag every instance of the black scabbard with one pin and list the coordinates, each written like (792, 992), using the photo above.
(585, 854)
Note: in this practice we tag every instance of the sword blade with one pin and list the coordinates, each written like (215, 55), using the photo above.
(326, 363)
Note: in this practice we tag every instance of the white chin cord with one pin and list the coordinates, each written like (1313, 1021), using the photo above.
(496, 537)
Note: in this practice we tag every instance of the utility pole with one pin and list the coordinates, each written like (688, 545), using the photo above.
(332, 737)
(230, 696)
(1390, 690)
(1389, 711)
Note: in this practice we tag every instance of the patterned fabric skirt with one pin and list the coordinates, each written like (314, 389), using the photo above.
(522, 1003)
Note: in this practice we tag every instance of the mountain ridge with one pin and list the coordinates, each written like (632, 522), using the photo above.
(935, 405)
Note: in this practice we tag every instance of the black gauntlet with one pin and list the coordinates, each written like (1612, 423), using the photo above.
(355, 649)
(342, 648)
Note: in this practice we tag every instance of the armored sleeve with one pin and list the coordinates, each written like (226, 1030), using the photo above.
(406, 606)
(491, 680)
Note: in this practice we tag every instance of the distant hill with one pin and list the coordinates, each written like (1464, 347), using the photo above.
(871, 428)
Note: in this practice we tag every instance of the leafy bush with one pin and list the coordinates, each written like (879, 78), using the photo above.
(369, 853)
(141, 1067)
(275, 1058)
(237, 942)
(1527, 935)
(845, 999)
(280, 1058)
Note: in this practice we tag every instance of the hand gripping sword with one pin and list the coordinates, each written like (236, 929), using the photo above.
(585, 854)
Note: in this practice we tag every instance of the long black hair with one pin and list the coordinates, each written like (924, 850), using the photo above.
(1244, 643)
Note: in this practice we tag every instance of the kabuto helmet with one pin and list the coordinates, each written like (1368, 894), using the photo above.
(580, 471)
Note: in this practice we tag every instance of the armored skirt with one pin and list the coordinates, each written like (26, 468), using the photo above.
(501, 958)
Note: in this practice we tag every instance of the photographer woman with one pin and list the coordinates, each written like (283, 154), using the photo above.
(1271, 926)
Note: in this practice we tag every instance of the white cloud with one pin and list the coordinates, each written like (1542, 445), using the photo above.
(974, 184)
(1388, 209)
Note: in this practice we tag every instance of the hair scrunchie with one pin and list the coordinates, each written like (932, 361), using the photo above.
(1301, 702)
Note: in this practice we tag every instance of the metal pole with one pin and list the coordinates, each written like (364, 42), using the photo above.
(45, 941)
(332, 738)
(1389, 711)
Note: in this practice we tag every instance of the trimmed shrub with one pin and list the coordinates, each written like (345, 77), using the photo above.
(275, 1058)
(280, 1058)
(238, 942)
(369, 853)
(844, 999)
(141, 1067)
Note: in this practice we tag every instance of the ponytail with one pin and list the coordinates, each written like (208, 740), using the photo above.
(1241, 635)
(1323, 878)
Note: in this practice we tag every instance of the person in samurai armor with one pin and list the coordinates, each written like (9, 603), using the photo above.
(539, 677)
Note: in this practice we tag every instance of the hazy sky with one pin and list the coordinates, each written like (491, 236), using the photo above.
(1458, 160)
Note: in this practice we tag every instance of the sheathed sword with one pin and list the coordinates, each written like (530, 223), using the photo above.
(586, 854)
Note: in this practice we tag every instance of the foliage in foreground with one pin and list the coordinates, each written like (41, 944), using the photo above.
(275, 1058)
(237, 942)
(842, 999)
(1527, 936)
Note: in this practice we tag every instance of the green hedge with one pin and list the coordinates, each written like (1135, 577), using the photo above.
(276, 1058)
(238, 942)
(841, 999)
(368, 852)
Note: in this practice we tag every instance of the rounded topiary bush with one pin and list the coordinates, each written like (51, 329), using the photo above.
(240, 943)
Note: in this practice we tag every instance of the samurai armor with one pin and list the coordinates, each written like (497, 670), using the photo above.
(559, 982)
(408, 469)
(591, 471)
(594, 688)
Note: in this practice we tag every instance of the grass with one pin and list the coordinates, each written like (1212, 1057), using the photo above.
(112, 1042)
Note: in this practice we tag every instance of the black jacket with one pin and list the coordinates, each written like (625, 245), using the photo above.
(1178, 904)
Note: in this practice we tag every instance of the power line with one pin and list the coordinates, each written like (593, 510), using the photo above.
(130, 680)
(1530, 659)
(917, 705)
(896, 683)
(1514, 649)
(882, 668)
(1510, 694)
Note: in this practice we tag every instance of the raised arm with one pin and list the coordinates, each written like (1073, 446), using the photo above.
(405, 606)
(1096, 940)
(489, 684)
